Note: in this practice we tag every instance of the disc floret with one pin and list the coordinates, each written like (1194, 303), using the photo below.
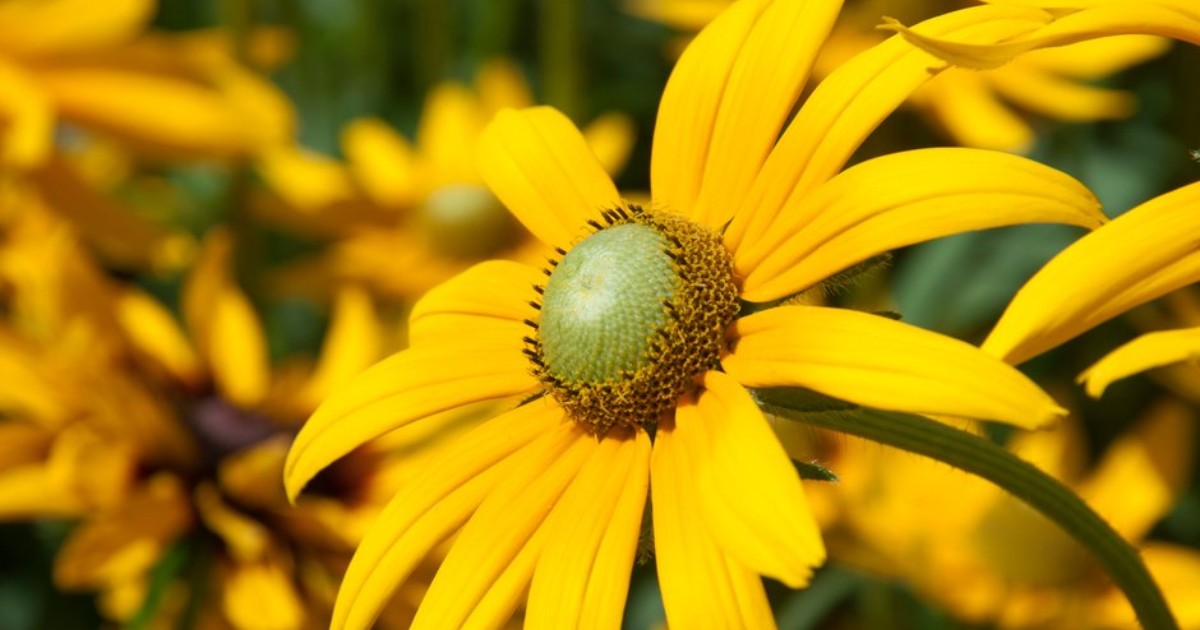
(630, 316)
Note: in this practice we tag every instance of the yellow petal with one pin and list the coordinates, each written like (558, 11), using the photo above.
(434, 505)
(501, 85)
(237, 350)
(966, 107)
(306, 181)
(261, 596)
(848, 104)
(575, 559)
(1060, 97)
(882, 363)
(382, 161)
(1137, 257)
(354, 341)
(246, 540)
(489, 296)
(900, 199)
(770, 68)
(702, 585)
(503, 526)
(154, 331)
(164, 115)
(451, 122)
(121, 236)
(251, 476)
(685, 15)
(1146, 352)
(28, 118)
(1142, 474)
(540, 166)
(1097, 58)
(118, 545)
(748, 491)
(611, 139)
(70, 26)
(688, 108)
(410, 385)
(1145, 18)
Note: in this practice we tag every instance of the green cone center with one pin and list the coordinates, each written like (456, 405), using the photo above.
(604, 303)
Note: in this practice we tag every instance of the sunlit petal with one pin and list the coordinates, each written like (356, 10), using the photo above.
(492, 295)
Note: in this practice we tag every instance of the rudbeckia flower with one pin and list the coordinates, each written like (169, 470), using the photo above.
(166, 442)
(94, 66)
(632, 356)
(1009, 565)
(982, 110)
(419, 206)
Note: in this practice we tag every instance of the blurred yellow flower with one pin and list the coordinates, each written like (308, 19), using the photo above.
(92, 65)
(1009, 565)
(625, 363)
(169, 441)
(975, 109)
(406, 217)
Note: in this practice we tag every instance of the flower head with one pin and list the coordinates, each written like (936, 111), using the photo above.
(629, 361)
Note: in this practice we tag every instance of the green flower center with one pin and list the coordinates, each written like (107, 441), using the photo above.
(631, 316)
(467, 222)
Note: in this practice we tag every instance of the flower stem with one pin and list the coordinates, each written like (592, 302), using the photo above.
(987, 460)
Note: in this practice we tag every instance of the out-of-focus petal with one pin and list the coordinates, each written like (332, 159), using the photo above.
(963, 104)
(28, 118)
(540, 166)
(54, 27)
(354, 341)
(1101, 275)
(451, 121)
(1097, 58)
(882, 363)
(900, 199)
(611, 137)
(748, 491)
(381, 161)
(501, 85)
(155, 333)
(261, 596)
(1062, 98)
(1142, 474)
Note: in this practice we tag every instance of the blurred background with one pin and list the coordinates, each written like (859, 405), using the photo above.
(214, 211)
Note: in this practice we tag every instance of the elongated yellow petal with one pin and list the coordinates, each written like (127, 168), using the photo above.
(1137, 257)
(169, 116)
(408, 386)
(748, 491)
(237, 350)
(1143, 472)
(685, 15)
(500, 84)
(491, 295)
(770, 68)
(69, 26)
(1097, 58)
(689, 105)
(154, 331)
(261, 596)
(435, 505)
(382, 161)
(1101, 20)
(451, 121)
(962, 103)
(503, 526)
(1146, 352)
(702, 586)
(354, 341)
(611, 139)
(882, 363)
(900, 199)
(28, 118)
(1062, 98)
(539, 165)
(572, 563)
(848, 104)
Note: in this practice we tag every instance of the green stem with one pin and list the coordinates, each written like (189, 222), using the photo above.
(987, 460)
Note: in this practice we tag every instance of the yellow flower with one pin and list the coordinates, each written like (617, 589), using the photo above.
(1008, 564)
(92, 66)
(629, 362)
(420, 206)
(161, 439)
(975, 109)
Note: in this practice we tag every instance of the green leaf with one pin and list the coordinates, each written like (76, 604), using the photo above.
(986, 459)
(814, 471)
